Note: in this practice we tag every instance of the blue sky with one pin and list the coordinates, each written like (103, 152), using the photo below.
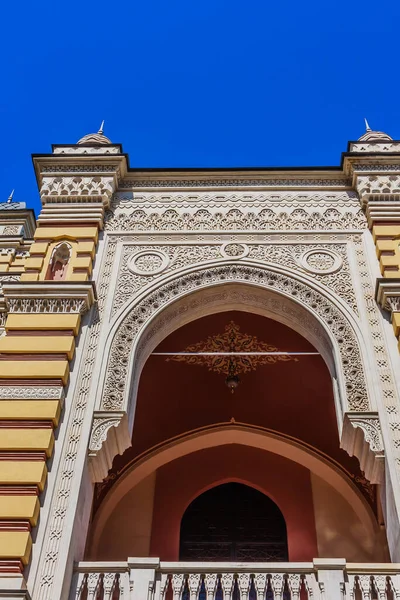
(195, 83)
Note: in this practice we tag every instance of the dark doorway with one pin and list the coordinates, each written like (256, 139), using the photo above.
(233, 522)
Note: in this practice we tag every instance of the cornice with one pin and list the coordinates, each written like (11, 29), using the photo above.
(43, 296)
(23, 218)
(387, 294)
(236, 179)
(54, 165)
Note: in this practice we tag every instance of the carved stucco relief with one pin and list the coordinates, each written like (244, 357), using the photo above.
(266, 219)
(142, 264)
(77, 186)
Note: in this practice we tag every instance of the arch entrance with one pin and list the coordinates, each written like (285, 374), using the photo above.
(277, 433)
(264, 290)
(233, 522)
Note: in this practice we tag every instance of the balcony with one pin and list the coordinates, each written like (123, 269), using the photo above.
(150, 579)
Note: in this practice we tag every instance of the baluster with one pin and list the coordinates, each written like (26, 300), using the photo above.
(210, 583)
(178, 581)
(93, 585)
(109, 583)
(379, 585)
(364, 582)
(294, 583)
(194, 582)
(260, 584)
(227, 583)
(394, 582)
(244, 585)
(310, 585)
(78, 585)
(163, 587)
(350, 587)
(277, 585)
(124, 586)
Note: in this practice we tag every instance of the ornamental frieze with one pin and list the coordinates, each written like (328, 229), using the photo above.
(129, 201)
(234, 219)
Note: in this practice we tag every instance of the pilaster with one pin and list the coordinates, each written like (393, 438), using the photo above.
(41, 308)
(375, 171)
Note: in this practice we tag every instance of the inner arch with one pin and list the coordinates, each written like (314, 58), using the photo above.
(233, 522)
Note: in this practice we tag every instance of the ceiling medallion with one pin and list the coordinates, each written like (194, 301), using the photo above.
(231, 353)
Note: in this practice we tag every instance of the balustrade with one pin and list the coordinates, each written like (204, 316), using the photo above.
(150, 579)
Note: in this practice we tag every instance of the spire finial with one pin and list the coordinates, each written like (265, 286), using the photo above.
(367, 127)
(10, 197)
(100, 131)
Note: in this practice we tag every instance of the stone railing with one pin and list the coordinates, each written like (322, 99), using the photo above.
(150, 579)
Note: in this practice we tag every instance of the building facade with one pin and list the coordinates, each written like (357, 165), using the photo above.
(200, 379)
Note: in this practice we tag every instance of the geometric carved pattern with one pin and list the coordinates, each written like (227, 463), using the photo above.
(389, 393)
(117, 369)
(77, 186)
(290, 255)
(235, 220)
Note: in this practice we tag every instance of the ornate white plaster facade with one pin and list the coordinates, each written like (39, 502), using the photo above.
(175, 245)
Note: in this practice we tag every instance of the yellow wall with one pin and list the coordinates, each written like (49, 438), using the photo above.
(387, 242)
(29, 353)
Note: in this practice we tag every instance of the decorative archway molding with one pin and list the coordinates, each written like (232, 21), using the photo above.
(239, 434)
(268, 290)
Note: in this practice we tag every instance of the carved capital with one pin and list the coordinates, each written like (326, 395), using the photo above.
(387, 294)
(109, 437)
(77, 188)
(361, 437)
(379, 195)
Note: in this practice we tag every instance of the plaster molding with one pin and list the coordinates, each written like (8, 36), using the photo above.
(235, 179)
(390, 147)
(361, 437)
(31, 392)
(85, 149)
(226, 199)
(109, 437)
(45, 297)
(66, 169)
(383, 210)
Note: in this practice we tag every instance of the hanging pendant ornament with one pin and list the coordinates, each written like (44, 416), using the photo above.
(232, 380)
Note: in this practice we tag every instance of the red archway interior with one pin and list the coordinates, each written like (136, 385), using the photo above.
(293, 398)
